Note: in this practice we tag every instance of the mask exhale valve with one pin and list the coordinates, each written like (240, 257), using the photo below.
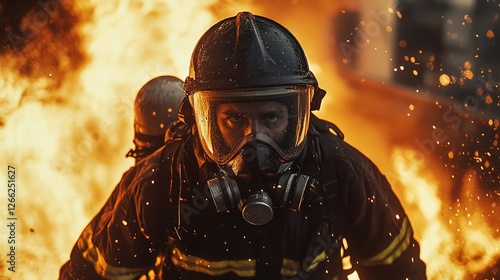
(257, 209)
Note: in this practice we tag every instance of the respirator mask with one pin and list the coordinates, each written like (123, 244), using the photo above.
(255, 136)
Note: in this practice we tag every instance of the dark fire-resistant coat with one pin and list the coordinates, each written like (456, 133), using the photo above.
(161, 222)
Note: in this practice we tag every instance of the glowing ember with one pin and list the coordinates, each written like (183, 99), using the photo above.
(444, 79)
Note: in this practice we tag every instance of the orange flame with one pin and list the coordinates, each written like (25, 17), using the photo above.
(454, 244)
(67, 131)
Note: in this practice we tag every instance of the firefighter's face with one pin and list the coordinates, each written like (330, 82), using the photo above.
(236, 120)
(228, 120)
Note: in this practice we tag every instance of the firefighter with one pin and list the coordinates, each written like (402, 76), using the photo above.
(250, 184)
(155, 107)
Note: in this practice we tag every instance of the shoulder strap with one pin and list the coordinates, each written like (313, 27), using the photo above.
(175, 137)
(327, 135)
(326, 147)
(163, 189)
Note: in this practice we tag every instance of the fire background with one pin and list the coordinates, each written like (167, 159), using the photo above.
(412, 84)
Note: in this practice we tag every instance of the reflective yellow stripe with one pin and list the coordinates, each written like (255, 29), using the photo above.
(94, 256)
(319, 258)
(395, 249)
(242, 268)
(289, 267)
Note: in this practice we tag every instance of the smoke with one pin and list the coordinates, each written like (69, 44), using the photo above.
(41, 49)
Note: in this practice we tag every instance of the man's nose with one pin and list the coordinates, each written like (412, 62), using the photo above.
(256, 126)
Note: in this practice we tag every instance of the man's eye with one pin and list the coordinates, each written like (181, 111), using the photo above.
(272, 117)
(236, 119)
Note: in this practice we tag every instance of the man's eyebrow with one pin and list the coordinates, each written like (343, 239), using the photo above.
(280, 110)
(230, 111)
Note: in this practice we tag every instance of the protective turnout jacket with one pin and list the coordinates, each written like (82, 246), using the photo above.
(160, 223)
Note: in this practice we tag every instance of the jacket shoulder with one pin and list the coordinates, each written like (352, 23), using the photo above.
(333, 145)
(155, 184)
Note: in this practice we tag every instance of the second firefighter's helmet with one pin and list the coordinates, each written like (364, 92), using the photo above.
(156, 106)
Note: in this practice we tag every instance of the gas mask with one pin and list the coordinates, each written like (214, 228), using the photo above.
(254, 136)
(246, 183)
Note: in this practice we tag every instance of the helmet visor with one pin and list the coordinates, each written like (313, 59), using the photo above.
(229, 119)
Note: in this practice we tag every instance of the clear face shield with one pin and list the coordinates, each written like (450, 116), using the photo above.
(277, 116)
(253, 135)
